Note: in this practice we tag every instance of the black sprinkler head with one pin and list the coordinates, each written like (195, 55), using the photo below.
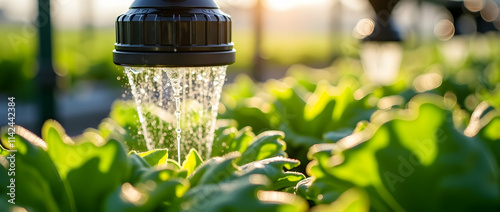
(173, 33)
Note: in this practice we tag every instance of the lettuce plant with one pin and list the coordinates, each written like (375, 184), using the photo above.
(408, 159)
(90, 173)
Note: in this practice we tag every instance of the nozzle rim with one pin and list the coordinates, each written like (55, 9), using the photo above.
(174, 59)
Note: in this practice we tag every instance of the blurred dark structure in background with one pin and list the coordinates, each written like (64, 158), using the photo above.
(384, 29)
(259, 62)
(458, 10)
(46, 77)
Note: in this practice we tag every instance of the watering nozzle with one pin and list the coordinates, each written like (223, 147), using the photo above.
(175, 54)
(173, 33)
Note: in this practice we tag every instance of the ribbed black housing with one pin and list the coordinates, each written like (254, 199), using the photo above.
(173, 33)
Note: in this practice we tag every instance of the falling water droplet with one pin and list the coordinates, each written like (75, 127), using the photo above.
(135, 71)
(175, 76)
(199, 77)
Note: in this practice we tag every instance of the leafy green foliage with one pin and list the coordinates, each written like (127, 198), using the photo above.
(42, 187)
(322, 109)
(440, 165)
(272, 168)
(372, 147)
(485, 125)
(355, 200)
(89, 173)
(80, 163)
(227, 140)
(155, 157)
(303, 116)
(193, 160)
(227, 196)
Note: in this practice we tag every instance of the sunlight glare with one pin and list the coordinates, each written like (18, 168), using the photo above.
(363, 28)
(283, 5)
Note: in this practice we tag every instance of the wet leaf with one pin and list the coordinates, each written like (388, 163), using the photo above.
(214, 170)
(105, 166)
(266, 145)
(439, 164)
(355, 200)
(273, 169)
(192, 161)
(155, 157)
(241, 194)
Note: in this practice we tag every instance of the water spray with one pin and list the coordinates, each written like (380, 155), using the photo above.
(175, 54)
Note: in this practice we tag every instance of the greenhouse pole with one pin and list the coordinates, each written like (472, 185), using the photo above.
(335, 27)
(258, 66)
(46, 77)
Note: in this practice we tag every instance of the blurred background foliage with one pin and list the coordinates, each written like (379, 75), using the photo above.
(294, 35)
(314, 33)
(86, 55)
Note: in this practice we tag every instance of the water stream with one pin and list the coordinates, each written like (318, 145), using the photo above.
(177, 107)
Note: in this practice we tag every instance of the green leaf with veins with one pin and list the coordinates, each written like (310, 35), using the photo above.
(417, 149)
(229, 139)
(241, 194)
(145, 197)
(273, 169)
(266, 145)
(214, 170)
(106, 166)
(148, 181)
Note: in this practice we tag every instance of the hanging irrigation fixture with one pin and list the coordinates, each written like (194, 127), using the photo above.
(173, 33)
(381, 50)
(175, 54)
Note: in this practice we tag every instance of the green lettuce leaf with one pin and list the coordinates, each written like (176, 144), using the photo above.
(192, 161)
(417, 149)
(155, 157)
(106, 166)
(38, 183)
(242, 194)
